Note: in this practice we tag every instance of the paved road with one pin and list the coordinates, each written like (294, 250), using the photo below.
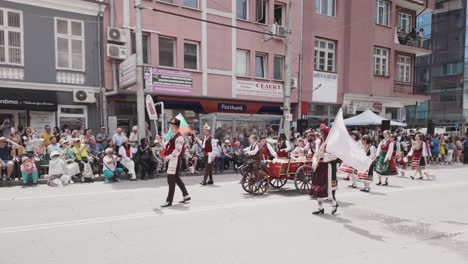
(424, 221)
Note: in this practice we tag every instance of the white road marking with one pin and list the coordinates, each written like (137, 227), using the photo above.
(25, 228)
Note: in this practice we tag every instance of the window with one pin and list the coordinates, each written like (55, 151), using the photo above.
(146, 47)
(241, 7)
(452, 69)
(191, 3)
(11, 37)
(325, 7)
(382, 12)
(404, 66)
(405, 22)
(242, 59)
(260, 65)
(191, 56)
(73, 116)
(167, 1)
(69, 43)
(167, 52)
(381, 61)
(280, 14)
(324, 58)
(262, 7)
(278, 68)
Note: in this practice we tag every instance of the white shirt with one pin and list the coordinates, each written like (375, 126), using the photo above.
(52, 148)
(112, 166)
(56, 166)
(252, 150)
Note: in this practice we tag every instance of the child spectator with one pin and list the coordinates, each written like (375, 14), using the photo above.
(28, 171)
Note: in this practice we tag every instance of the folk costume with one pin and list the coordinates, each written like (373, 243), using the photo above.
(175, 150)
(209, 145)
(351, 173)
(324, 182)
(418, 153)
(368, 176)
(254, 152)
(386, 165)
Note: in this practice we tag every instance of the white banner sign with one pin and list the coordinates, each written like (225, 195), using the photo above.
(260, 89)
(325, 87)
(127, 72)
(150, 108)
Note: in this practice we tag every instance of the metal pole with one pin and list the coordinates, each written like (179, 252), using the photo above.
(140, 93)
(287, 69)
(299, 79)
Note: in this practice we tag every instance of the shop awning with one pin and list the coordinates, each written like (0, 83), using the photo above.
(369, 118)
(34, 100)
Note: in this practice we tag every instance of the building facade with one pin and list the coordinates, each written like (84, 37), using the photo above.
(229, 74)
(445, 70)
(361, 55)
(49, 63)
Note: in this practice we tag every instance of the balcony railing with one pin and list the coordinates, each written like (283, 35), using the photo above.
(413, 39)
(403, 88)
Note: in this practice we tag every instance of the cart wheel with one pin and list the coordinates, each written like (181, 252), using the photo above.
(303, 179)
(277, 183)
(245, 183)
(260, 186)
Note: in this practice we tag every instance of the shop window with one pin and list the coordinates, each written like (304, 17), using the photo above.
(146, 47)
(69, 44)
(11, 37)
(72, 116)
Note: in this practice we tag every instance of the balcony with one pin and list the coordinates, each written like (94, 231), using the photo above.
(406, 90)
(416, 5)
(412, 42)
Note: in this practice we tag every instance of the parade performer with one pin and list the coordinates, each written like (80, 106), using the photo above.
(208, 144)
(174, 152)
(310, 146)
(345, 168)
(370, 150)
(254, 151)
(267, 149)
(298, 154)
(284, 146)
(385, 165)
(418, 153)
(324, 183)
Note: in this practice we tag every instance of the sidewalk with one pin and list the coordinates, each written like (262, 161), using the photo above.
(41, 180)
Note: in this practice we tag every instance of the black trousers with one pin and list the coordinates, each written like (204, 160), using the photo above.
(172, 180)
(208, 169)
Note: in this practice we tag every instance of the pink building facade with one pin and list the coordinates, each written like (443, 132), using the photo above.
(205, 69)
(360, 55)
(354, 54)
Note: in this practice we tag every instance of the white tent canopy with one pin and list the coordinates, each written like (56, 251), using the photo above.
(369, 118)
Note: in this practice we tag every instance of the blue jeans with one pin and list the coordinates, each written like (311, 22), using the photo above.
(219, 163)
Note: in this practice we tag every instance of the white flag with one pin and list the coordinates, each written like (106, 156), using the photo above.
(340, 144)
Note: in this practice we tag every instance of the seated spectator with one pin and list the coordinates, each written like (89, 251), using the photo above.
(6, 159)
(219, 158)
(93, 148)
(57, 166)
(31, 140)
(46, 135)
(71, 168)
(102, 138)
(28, 171)
(126, 158)
(53, 146)
(81, 157)
(88, 136)
(110, 170)
(228, 152)
(197, 157)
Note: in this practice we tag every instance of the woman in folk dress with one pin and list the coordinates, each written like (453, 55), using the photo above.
(418, 153)
(324, 181)
(368, 176)
(345, 168)
(385, 165)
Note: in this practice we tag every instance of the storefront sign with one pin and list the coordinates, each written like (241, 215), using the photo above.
(41, 119)
(240, 108)
(127, 72)
(16, 99)
(153, 115)
(259, 89)
(377, 106)
(168, 81)
(325, 87)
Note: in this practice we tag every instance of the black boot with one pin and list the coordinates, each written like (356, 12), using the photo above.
(335, 208)
(319, 211)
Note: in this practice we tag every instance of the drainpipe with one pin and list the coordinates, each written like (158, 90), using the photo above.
(114, 64)
(425, 8)
(299, 77)
(102, 97)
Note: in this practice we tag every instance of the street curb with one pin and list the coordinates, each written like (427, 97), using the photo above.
(5, 183)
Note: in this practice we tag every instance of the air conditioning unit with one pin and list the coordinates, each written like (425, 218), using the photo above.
(280, 31)
(116, 35)
(82, 96)
(350, 109)
(116, 51)
(294, 83)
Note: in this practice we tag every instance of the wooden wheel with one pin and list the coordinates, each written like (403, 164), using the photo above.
(258, 186)
(278, 183)
(303, 179)
(245, 183)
